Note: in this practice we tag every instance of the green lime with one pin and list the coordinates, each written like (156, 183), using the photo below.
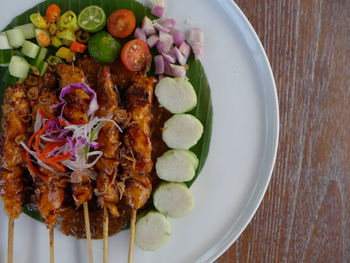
(92, 19)
(103, 47)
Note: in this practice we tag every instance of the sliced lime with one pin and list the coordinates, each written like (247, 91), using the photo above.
(92, 19)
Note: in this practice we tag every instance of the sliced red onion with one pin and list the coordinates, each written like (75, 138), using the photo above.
(38, 122)
(195, 36)
(177, 71)
(169, 23)
(152, 41)
(198, 50)
(159, 64)
(185, 49)
(161, 28)
(179, 56)
(169, 57)
(158, 11)
(148, 27)
(165, 42)
(178, 36)
(93, 107)
(139, 34)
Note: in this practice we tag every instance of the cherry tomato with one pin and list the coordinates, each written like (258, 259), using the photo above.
(135, 55)
(121, 23)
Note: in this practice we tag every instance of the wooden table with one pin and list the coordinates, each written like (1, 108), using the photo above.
(305, 215)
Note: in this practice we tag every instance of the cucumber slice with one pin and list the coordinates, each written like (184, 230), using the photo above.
(182, 131)
(7, 78)
(19, 67)
(39, 66)
(152, 231)
(42, 53)
(5, 56)
(27, 30)
(173, 199)
(177, 95)
(177, 166)
(4, 43)
(30, 49)
(15, 37)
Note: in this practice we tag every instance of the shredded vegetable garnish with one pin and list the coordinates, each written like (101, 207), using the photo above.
(58, 145)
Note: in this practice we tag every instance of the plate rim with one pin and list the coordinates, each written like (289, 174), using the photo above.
(233, 10)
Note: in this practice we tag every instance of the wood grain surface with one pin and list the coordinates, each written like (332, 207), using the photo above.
(305, 215)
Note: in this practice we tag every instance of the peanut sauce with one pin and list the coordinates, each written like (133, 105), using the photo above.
(71, 219)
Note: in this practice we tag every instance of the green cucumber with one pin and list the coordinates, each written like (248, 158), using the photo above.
(27, 30)
(42, 53)
(19, 67)
(4, 43)
(9, 79)
(39, 66)
(30, 49)
(5, 56)
(15, 37)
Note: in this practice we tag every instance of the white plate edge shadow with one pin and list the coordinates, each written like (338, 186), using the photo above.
(272, 123)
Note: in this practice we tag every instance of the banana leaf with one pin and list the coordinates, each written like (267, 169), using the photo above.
(196, 73)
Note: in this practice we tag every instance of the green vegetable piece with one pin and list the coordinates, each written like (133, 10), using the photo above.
(92, 19)
(69, 21)
(56, 42)
(28, 30)
(30, 49)
(42, 53)
(5, 56)
(38, 21)
(15, 37)
(103, 47)
(19, 67)
(67, 34)
(54, 61)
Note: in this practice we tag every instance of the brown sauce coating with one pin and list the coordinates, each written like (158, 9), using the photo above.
(71, 219)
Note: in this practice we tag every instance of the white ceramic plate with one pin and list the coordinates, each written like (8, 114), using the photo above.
(242, 154)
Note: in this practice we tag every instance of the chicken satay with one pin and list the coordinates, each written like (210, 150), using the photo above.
(16, 115)
(75, 111)
(137, 159)
(51, 194)
(109, 189)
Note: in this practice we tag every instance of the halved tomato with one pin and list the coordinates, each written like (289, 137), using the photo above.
(135, 55)
(121, 23)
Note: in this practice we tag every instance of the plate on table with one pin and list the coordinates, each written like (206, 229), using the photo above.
(241, 157)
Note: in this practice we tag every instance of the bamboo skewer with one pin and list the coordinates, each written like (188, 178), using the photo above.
(11, 227)
(88, 232)
(105, 235)
(52, 255)
(132, 236)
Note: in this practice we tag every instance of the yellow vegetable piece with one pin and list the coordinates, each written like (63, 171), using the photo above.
(66, 54)
(53, 29)
(56, 42)
(69, 21)
(38, 21)
(66, 35)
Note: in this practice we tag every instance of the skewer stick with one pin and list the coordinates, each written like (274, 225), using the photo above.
(132, 235)
(88, 232)
(11, 227)
(52, 255)
(105, 235)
